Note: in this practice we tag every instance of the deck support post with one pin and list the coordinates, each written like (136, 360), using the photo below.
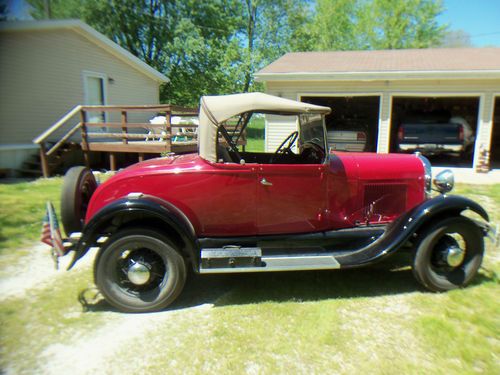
(44, 161)
(141, 156)
(85, 141)
(124, 127)
(86, 158)
(112, 161)
(168, 123)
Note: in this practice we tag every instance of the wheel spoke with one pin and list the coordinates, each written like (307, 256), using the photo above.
(148, 261)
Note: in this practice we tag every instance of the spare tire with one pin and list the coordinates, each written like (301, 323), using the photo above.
(79, 185)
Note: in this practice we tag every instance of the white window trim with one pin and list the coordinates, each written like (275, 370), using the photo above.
(495, 97)
(90, 74)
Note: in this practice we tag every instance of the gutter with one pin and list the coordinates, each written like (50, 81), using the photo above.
(377, 75)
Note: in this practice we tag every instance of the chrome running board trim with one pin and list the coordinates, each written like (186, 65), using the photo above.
(283, 263)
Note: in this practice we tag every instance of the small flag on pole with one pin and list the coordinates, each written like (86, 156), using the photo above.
(51, 235)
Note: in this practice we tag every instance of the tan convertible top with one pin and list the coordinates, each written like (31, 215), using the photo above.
(216, 109)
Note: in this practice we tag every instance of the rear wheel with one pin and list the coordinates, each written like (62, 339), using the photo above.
(139, 270)
(448, 254)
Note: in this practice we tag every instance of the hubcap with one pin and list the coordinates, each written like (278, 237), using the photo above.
(138, 273)
(454, 256)
(450, 252)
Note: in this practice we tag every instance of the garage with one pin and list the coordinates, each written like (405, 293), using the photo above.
(442, 128)
(454, 92)
(353, 123)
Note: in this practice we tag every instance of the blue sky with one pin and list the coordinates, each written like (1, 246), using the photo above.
(479, 18)
(476, 17)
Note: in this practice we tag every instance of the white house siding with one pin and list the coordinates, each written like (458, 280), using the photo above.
(41, 80)
(484, 89)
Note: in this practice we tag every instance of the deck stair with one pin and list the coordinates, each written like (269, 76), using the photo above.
(32, 167)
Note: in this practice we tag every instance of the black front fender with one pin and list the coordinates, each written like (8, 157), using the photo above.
(147, 207)
(402, 229)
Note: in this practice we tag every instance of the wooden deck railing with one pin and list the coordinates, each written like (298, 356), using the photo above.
(122, 136)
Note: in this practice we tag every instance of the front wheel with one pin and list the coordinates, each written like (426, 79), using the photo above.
(139, 270)
(448, 254)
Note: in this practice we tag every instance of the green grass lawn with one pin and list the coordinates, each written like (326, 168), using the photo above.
(372, 320)
(254, 145)
(255, 135)
(22, 207)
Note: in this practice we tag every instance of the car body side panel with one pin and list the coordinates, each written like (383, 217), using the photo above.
(215, 198)
(296, 202)
(228, 199)
(363, 188)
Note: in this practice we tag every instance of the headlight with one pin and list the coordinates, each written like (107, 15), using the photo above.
(428, 173)
(444, 181)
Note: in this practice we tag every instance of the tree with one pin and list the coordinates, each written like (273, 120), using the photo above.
(377, 24)
(396, 24)
(3, 11)
(56, 9)
(204, 47)
(268, 29)
(456, 39)
(336, 25)
(185, 40)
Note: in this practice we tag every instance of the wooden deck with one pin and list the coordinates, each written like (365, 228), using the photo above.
(177, 132)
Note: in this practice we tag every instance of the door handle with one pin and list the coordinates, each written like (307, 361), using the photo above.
(265, 182)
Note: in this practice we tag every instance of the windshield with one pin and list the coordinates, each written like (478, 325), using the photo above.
(300, 139)
(312, 130)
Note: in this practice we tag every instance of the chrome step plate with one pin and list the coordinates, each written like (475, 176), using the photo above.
(302, 262)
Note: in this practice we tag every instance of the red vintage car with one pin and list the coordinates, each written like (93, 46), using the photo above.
(300, 207)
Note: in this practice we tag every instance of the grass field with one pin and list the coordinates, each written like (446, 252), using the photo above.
(374, 320)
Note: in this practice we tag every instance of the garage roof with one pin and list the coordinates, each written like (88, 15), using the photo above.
(386, 64)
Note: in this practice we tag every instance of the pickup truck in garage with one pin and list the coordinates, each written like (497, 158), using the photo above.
(454, 137)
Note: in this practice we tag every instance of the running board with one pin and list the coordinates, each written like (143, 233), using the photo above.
(238, 260)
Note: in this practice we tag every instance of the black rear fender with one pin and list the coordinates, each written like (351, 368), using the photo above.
(144, 211)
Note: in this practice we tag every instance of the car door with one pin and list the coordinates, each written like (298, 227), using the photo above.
(292, 198)
(225, 202)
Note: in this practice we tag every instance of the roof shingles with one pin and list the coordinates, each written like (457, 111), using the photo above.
(410, 60)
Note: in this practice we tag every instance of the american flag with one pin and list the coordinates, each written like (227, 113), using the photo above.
(51, 235)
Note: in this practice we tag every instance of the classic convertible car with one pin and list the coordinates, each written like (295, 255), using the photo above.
(300, 207)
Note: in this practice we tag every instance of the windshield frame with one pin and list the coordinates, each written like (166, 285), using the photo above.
(301, 120)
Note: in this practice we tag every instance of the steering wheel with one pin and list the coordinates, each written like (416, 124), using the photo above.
(312, 152)
(285, 147)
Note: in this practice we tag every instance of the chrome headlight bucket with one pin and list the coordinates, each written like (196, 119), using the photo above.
(444, 181)
(428, 173)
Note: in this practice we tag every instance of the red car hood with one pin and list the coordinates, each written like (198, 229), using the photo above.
(384, 167)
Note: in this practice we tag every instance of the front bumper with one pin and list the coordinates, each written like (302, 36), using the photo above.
(493, 233)
(431, 148)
